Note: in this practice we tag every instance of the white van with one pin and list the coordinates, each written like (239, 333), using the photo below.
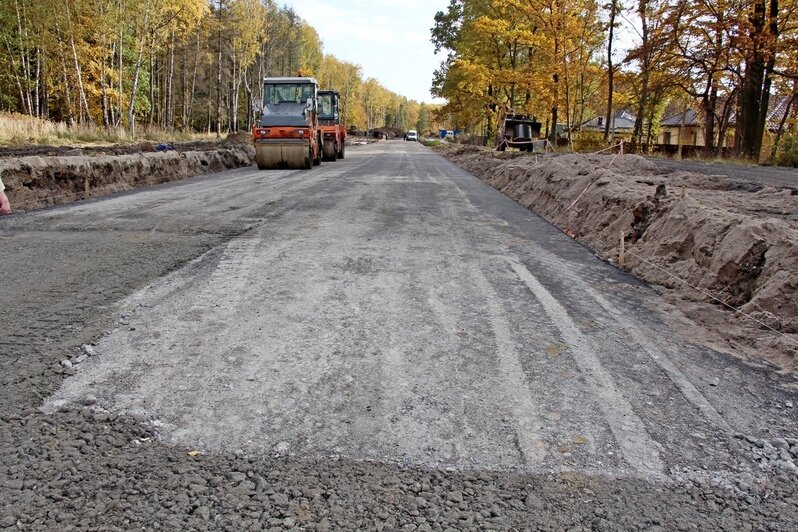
(411, 135)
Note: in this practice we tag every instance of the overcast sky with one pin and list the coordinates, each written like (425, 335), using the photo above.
(390, 39)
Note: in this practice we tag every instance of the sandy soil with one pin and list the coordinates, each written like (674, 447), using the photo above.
(41, 176)
(725, 255)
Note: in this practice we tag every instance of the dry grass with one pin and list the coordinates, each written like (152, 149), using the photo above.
(21, 130)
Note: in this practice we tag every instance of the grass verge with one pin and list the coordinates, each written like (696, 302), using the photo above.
(23, 130)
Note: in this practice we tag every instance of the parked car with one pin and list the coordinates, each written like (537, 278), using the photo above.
(411, 135)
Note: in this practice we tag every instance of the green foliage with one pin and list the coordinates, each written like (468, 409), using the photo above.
(787, 154)
(588, 141)
(422, 124)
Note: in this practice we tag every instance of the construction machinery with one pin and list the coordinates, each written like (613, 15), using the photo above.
(287, 134)
(333, 134)
(518, 131)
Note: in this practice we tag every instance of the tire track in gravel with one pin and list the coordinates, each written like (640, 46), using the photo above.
(640, 452)
(640, 449)
(630, 433)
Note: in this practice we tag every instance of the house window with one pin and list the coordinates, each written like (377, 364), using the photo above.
(666, 137)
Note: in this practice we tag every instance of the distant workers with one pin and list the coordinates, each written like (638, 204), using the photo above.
(5, 207)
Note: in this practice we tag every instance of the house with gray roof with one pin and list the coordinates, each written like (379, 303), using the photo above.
(622, 124)
(685, 129)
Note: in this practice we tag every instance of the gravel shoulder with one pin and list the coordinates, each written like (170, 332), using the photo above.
(392, 224)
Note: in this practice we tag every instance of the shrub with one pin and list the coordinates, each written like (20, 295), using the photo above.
(588, 141)
(788, 151)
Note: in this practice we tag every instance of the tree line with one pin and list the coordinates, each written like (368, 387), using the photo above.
(188, 65)
(554, 59)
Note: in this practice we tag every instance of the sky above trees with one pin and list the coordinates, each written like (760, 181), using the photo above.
(389, 39)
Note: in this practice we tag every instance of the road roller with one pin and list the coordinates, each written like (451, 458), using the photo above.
(333, 134)
(287, 134)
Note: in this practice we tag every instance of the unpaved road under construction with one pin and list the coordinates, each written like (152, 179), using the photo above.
(382, 342)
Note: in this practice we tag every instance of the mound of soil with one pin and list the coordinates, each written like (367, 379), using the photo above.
(387, 133)
(115, 149)
(38, 181)
(707, 240)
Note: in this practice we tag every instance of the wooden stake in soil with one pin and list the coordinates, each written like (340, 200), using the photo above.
(622, 252)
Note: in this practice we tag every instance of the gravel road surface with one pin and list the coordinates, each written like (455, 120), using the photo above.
(383, 342)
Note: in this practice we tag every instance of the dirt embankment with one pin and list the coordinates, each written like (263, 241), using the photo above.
(40, 176)
(710, 241)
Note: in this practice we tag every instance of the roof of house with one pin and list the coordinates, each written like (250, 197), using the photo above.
(623, 120)
(776, 109)
(690, 119)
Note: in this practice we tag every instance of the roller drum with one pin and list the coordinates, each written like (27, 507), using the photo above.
(292, 156)
(328, 150)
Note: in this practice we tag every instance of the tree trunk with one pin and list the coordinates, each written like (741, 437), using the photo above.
(234, 87)
(65, 76)
(131, 111)
(568, 102)
(219, 78)
(120, 106)
(81, 91)
(681, 132)
(773, 34)
(555, 78)
(250, 110)
(751, 92)
(24, 62)
(193, 83)
(153, 105)
(637, 133)
(112, 119)
(723, 125)
(38, 95)
(610, 69)
(103, 85)
(17, 79)
(709, 102)
(170, 122)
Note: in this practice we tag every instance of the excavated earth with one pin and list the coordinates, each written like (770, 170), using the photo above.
(41, 176)
(711, 243)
